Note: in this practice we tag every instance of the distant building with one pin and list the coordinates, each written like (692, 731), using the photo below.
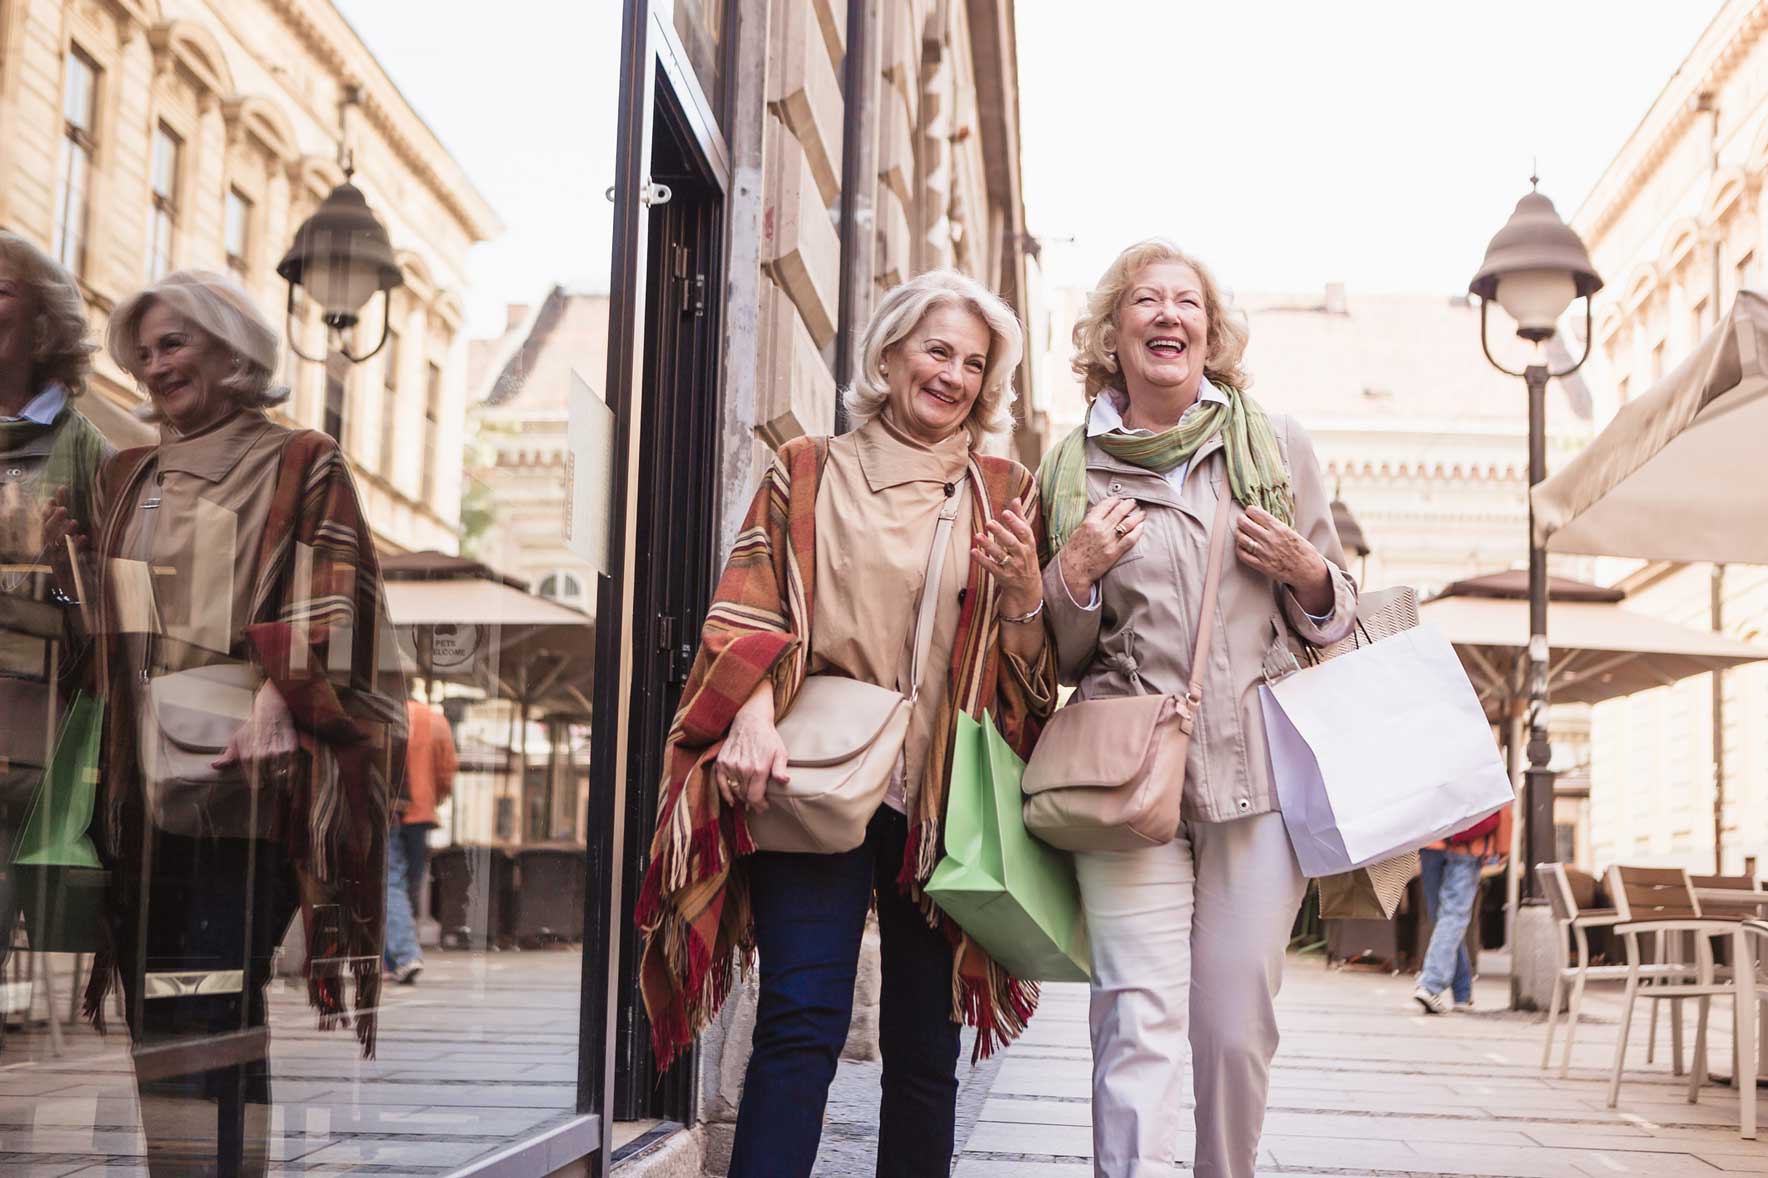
(1676, 227)
(144, 136)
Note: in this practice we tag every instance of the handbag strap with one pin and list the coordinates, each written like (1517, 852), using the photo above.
(948, 513)
(1212, 583)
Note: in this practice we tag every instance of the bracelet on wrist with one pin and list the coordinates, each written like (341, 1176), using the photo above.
(1021, 619)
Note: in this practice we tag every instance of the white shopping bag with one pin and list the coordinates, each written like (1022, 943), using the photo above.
(1379, 751)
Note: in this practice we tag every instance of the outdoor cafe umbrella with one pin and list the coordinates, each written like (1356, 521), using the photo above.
(1678, 474)
(1597, 650)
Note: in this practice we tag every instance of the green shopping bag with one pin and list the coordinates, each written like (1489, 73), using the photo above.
(61, 882)
(1014, 894)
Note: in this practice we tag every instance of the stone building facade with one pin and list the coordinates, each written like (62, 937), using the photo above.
(1677, 225)
(143, 136)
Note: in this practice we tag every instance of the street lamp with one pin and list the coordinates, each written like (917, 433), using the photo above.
(342, 256)
(1535, 267)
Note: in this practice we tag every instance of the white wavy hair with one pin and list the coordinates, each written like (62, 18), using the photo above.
(1095, 332)
(221, 309)
(900, 311)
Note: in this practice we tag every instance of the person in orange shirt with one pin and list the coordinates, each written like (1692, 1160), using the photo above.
(430, 766)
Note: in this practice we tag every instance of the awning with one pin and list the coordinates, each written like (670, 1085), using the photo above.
(1678, 474)
(1596, 650)
(481, 603)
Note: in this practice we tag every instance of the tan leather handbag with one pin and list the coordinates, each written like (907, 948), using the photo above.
(1109, 774)
(844, 740)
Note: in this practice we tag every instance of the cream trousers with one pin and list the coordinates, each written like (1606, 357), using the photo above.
(1187, 936)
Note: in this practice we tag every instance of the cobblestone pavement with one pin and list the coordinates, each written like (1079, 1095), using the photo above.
(1367, 1084)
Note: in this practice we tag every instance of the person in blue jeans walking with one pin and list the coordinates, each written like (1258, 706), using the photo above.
(1449, 877)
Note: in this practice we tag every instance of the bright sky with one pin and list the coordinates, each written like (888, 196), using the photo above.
(1376, 142)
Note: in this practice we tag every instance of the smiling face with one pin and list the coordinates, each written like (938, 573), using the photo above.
(935, 373)
(182, 367)
(1163, 332)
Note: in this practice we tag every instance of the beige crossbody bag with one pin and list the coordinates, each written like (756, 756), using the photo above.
(844, 740)
(1109, 774)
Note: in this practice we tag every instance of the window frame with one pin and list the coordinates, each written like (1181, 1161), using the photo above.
(79, 143)
(164, 207)
(238, 262)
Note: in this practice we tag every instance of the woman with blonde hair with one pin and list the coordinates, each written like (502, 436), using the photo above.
(254, 711)
(1188, 936)
(48, 451)
(828, 578)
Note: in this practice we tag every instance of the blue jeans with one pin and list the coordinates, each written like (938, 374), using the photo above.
(402, 947)
(1450, 881)
(810, 912)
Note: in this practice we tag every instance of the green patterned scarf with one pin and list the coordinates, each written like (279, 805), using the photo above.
(1255, 465)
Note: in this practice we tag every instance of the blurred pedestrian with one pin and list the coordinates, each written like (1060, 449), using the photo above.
(1450, 873)
(827, 579)
(430, 766)
(1189, 936)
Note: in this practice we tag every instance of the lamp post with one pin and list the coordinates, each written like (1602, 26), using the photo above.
(1535, 267)
(342, 256)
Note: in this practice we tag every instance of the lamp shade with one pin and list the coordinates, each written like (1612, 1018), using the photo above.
(1534, 267)
(342, 256)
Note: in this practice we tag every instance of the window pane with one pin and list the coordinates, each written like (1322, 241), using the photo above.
(239, 216)
(389, 403)
(165, 164)
(78, 97)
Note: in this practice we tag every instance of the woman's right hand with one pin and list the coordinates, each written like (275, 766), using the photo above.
(753, 753)
(1110, 529)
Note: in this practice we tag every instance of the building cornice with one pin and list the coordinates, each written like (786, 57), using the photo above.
(1729, 38)
(329, 37)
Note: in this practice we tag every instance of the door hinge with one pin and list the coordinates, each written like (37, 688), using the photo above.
(691, 287)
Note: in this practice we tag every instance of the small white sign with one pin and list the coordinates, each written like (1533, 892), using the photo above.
(590, 478)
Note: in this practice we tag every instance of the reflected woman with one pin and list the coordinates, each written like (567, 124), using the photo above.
(48, 450)
(254, 713)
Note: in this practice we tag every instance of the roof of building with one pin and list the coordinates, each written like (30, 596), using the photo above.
(1338, 356)
(541, 346)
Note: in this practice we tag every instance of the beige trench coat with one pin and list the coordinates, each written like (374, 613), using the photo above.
(1142, 632)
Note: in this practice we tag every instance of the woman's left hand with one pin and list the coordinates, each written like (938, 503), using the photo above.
(1007, 548)
(269, 732)
(1268, 545)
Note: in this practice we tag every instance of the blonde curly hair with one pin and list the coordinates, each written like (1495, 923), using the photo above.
(62, 355)
(1095, 332)
(896, 316)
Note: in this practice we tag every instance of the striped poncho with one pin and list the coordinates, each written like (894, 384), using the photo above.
(693, 910)
(319, 630)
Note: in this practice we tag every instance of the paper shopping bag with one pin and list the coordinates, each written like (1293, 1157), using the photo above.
(1381, 750)
(1014, 894)
(61, 881)
(1368, 893)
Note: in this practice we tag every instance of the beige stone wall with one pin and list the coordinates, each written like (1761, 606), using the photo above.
(251, 88)
(930, 201)
(1678, 208)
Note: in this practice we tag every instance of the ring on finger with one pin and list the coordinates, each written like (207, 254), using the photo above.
(1121, 530)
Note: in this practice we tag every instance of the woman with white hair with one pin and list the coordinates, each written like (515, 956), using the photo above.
(253, 709)
(1187, 937)
(828, 578)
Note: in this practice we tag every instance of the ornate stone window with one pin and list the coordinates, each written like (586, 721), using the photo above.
(168, 152)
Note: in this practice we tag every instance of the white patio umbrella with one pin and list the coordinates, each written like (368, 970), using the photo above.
(1678, 474)
(1597, 650)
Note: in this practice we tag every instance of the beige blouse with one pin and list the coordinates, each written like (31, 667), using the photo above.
(185, 565)
(876, 510)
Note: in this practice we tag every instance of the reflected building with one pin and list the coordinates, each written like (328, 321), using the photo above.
(146, 136)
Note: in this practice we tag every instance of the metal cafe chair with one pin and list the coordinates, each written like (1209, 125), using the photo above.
(1574, 924)
(1661, 901)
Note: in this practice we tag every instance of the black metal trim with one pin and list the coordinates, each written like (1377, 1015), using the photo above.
(605, 919)
(697, 113)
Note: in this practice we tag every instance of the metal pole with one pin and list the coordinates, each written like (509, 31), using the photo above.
(1539, 839)
(1718, 677)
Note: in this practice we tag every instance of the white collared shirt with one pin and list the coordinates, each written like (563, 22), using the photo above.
(44, 407)
(1107, 415)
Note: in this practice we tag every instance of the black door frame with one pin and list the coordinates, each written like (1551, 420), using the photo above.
(651, 58)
